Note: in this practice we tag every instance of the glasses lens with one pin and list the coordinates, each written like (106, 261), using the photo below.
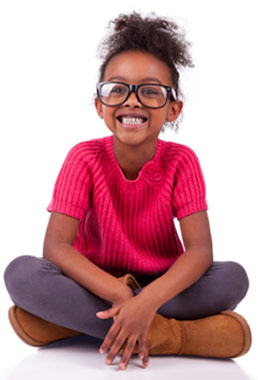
(153, 95)
(113, 93)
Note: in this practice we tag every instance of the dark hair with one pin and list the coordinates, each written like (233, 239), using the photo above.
(159, 36)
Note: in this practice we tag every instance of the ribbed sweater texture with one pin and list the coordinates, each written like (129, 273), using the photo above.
(127, 226)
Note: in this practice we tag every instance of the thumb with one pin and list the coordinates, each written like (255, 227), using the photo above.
(108, 313)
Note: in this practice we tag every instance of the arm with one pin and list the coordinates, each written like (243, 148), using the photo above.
(58, 249)
(189, 267)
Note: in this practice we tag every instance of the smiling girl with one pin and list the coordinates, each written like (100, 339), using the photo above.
(113, 265)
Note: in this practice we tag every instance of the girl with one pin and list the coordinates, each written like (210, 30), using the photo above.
(113, 266)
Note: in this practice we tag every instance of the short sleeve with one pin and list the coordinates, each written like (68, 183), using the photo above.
(189, 192)
(72, 188)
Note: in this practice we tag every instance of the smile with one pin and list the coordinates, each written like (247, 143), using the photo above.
(131, 121)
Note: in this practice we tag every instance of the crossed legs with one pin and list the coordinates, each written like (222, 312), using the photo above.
(40, 287)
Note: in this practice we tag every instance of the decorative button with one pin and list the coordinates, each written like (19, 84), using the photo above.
(154, 174)
(151, 169)
(157, 176)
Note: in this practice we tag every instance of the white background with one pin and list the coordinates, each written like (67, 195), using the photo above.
(48, 71)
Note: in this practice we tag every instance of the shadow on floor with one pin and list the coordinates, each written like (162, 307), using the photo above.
(79, 358)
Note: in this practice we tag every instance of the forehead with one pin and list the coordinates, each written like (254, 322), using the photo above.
(136, 66)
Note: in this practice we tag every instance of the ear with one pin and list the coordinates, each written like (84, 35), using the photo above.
(99, 107)
(174, 110)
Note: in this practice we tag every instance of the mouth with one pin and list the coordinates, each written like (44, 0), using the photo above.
(131, 121)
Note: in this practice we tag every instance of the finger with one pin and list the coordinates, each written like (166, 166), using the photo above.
(145, 360)
(109, 338)
(143, 351)
(117, 344)
(108, 313)
(142, 347)
(127, 353)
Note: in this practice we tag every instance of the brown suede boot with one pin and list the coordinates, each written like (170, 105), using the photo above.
(37, 332)
(224, 335)
(130, 281)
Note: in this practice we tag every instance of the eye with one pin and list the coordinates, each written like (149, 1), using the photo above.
(152, 91)
(119, 89)
(149, 91)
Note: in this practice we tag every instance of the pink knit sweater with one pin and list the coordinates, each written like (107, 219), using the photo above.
(127, 226)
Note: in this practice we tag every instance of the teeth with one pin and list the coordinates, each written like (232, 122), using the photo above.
(132, 120)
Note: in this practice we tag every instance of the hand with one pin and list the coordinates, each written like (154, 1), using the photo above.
(132, 320)
(127, 294)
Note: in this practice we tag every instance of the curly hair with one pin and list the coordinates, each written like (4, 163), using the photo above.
(159, 36)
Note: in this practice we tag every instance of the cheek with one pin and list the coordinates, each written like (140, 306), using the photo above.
(159, 117)
(109, 117)
(105, 113)
(168, 113)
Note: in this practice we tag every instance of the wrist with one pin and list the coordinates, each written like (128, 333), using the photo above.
(149, 299)
(123, 293)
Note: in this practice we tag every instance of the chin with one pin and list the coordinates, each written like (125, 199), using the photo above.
(132, 139)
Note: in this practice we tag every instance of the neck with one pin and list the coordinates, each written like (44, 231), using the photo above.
(131, 158)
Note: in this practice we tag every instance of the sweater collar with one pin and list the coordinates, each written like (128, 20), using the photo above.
(151, 170)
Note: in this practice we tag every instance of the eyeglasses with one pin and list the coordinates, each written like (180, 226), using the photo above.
(150, 95)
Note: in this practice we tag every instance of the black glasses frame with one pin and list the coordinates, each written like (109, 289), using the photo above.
(135, 88)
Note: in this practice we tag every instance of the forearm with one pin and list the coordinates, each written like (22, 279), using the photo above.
(80, 269)
(186, 270)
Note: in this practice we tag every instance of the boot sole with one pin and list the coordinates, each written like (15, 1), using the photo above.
(246, 332)
(19, 330)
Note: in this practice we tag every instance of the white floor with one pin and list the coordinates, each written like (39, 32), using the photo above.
(79, 358)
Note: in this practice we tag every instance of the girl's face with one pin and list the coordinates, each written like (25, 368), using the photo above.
(135, 67)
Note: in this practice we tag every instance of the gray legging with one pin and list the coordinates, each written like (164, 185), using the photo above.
(41, 288)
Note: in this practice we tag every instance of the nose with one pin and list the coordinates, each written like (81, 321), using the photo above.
(132, 100)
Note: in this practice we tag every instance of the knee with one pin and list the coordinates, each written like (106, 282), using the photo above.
(237, 282)
(23, 274)
(17, 273)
